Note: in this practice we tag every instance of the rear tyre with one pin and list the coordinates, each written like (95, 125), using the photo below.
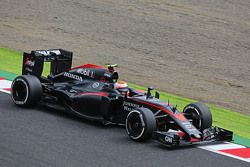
(199, 114)
(140, 124)
(26, 91)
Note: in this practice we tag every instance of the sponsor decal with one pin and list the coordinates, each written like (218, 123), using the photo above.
(86, 72)
(72, 91)
(48, 52)
(168, 139)
(95, 85)
(127, 106)
(29, 63)
(189, 126)
(73, 76)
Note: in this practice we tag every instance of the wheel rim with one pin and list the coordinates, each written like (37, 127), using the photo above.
(135, 125)
(19, 91)
(195, 116)
(196, 119)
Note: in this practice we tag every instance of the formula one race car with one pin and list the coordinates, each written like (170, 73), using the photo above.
(94, 92)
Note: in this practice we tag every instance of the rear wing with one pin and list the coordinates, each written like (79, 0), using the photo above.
(33, 62)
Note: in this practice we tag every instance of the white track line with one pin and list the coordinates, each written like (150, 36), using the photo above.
(222, 146)
(225, 146)
(5, 84)
(5, 91)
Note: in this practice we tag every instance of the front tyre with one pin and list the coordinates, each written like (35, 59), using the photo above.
(26, 90)
(140, 124)
(199, 114)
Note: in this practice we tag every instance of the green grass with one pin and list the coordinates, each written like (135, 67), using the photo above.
(11, 61)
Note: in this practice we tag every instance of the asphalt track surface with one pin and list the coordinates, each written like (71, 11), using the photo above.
(45, 137)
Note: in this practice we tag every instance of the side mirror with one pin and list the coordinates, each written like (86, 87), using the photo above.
(157, 95)
(149, 91)
(115, 76)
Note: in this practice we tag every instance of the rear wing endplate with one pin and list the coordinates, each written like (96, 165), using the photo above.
(33, 62)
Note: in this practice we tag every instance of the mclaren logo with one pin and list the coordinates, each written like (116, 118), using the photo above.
(73, 76)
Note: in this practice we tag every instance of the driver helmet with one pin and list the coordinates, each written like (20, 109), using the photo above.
(121, 86)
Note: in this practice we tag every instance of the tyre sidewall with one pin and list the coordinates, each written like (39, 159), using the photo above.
(33, 88)
(148, 121)
(17, 102)
(203, 112)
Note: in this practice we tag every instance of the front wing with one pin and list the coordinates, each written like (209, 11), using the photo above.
(176, 138)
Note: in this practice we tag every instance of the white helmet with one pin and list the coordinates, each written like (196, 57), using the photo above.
(121, 86)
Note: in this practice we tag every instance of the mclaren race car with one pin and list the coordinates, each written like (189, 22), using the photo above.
(95, 93)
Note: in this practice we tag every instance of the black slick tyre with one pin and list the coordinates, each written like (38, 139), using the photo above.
(199, 114)
(26, 90)
(140, 124)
